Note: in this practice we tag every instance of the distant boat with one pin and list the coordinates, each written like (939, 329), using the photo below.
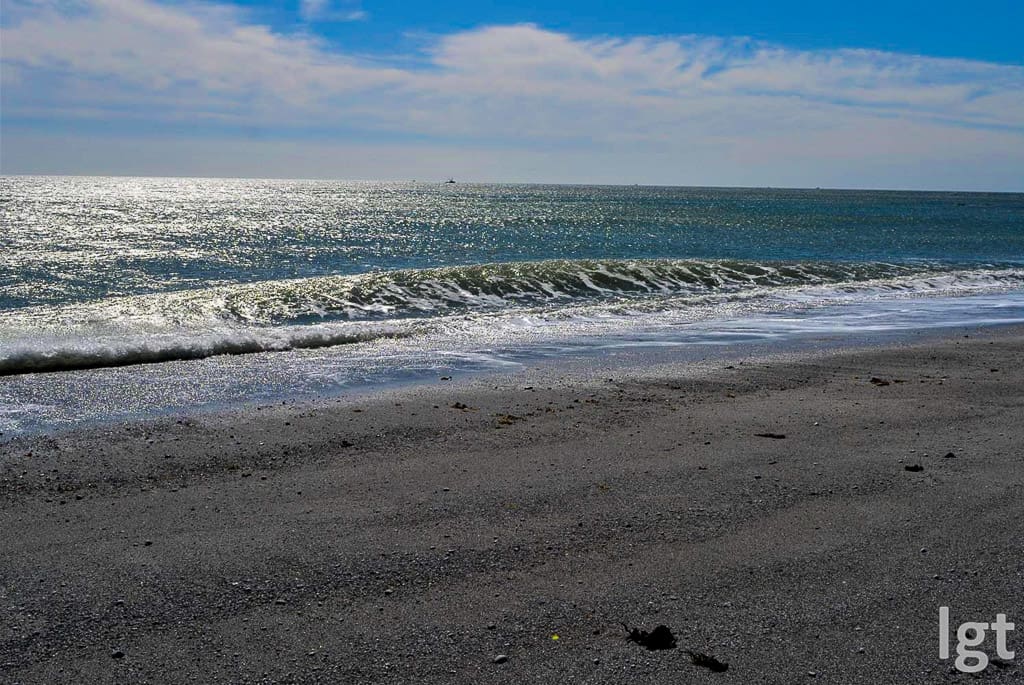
(450, 180)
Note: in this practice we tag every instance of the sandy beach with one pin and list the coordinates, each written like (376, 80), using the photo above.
(761, 508)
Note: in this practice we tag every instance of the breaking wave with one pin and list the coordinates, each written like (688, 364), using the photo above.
(77, 354)
(337, 310)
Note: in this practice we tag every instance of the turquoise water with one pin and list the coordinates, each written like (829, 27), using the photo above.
(328, 286)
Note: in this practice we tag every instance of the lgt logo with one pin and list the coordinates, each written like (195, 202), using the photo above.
(972, 634)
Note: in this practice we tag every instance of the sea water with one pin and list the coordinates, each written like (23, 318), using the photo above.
(122, 297)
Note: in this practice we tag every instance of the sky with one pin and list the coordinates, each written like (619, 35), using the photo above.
(872, 94)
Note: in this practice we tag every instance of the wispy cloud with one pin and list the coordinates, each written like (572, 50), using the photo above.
(328, 10)
(734, 97)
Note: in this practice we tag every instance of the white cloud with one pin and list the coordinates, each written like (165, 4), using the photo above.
(198, 60)
(728, 98)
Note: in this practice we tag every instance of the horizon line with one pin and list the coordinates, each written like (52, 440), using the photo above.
(327, 179)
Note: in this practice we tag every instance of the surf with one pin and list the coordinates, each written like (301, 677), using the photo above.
(333, 311)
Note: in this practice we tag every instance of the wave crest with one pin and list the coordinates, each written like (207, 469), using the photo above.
(477, 288)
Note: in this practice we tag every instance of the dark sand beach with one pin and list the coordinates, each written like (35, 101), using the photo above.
(414, 536)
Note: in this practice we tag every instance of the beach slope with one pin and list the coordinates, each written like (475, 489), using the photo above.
(763, 511)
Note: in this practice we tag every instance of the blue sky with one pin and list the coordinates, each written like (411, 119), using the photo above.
(988, 31)
(873, 94)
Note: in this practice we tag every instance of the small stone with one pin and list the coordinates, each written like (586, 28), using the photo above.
(501, 658)
(117, 654)
(147, 543)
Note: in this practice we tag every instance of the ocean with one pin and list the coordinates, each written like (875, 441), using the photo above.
(127, 297)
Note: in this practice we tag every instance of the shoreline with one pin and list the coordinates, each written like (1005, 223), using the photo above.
(62, 395)
(414, 535)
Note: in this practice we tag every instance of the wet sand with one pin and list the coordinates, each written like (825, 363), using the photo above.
(414, 536)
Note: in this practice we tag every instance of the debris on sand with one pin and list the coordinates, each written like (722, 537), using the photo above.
(913, 468)
(878, 381)
(659, 638)
(773, 436)
(460, 405)
(709, 662)
(508, 419)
